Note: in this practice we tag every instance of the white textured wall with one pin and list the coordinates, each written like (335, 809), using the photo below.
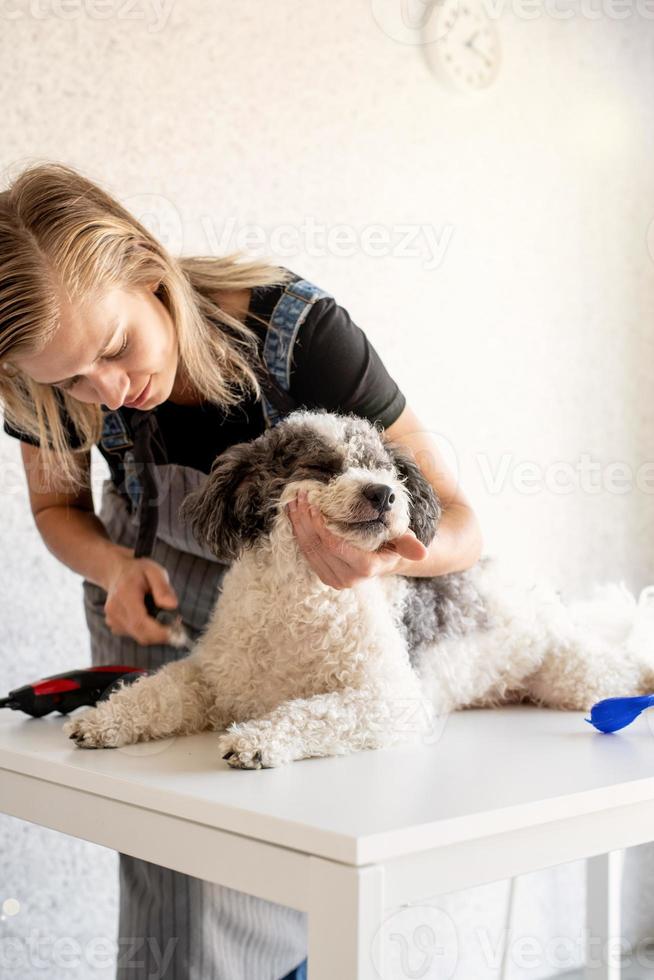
(530, 341)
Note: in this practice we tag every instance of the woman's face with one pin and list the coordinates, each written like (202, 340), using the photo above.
(110, 349)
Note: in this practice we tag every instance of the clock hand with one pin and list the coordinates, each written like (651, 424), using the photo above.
(483, 57)
(480, 54)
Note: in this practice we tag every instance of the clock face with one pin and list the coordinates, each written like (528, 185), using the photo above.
(467, 52)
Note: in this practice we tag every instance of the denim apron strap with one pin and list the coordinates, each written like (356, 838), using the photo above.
(117, 437)
(140, 477)
(145, 426)
(286, 319)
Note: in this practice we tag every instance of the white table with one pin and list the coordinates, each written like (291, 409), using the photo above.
(351, 840)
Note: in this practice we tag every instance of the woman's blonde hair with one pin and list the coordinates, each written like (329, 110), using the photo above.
(63, 238)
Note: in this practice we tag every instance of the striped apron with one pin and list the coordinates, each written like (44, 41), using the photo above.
(174, 926)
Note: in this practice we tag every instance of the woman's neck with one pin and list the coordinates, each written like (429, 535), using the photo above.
(183, 392)
(185, 398)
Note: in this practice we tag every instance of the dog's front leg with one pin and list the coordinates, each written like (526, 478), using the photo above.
(173, 701)
(327, 724)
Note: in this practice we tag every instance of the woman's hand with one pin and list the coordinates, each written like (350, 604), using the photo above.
(335, 561)
(124, 610)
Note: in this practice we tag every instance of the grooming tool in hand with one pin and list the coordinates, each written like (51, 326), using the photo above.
(169, 617)
(75, 688)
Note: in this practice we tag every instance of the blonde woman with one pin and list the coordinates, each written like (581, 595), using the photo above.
(163, 362)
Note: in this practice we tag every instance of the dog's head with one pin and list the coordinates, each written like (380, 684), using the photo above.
(368, 490)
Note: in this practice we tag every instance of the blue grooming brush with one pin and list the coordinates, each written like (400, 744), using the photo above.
(614, 713)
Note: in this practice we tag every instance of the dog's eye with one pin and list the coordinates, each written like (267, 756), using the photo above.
(317, 472)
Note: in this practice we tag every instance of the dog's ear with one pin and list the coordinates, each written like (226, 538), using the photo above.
(425, 506)
(226, 513)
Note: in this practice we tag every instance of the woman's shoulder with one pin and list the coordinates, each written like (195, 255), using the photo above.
(263, 299)
(256, 299)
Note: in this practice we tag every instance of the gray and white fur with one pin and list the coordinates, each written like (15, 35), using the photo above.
(290, 668)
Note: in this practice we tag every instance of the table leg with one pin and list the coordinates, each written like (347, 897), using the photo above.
(346, 909)
(603, 890)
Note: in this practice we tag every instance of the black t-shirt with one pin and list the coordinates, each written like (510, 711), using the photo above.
(333, 366)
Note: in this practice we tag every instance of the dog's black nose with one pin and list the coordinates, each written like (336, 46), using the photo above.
(380, 495)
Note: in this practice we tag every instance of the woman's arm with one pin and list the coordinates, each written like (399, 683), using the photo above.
(458, 542)
(68, 525)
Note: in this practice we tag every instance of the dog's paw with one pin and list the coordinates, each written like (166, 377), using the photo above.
(96, 729)
(243, 751)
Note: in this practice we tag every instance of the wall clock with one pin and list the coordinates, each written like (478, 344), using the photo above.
(466, 54)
